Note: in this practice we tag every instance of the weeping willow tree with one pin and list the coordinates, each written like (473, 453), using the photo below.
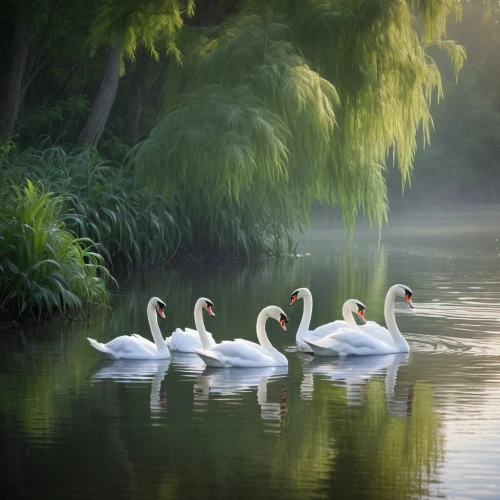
(371, 51)
(295, 102)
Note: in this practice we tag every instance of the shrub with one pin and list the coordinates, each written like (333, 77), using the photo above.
(42, 264)
(103, 202)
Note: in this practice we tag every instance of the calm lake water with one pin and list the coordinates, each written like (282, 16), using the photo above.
(423, 425)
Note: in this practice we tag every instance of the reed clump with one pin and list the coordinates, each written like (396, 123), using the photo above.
(43, 265)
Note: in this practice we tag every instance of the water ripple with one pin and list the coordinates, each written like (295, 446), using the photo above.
(444, 345)
(468, 309)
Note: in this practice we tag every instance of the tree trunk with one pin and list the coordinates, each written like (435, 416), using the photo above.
(12, 93)
(92, 132)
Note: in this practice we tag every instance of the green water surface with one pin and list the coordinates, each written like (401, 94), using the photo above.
(423, 425)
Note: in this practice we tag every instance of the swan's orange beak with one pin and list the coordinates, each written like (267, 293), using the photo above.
(293, 299)
(209, 310)
(282, 323)
(361, 315)
(161, 313)
(408, 299)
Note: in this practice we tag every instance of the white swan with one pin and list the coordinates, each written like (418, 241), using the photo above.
(360, 343)
(378, 331)
(304, 333)
(242, 353)
(135, 346)
(187, 339)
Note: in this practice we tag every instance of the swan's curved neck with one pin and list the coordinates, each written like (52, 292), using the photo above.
(390, 321)
(262, 335)
(200, 324)
(155, 330)
(348, 317)
(307, 313)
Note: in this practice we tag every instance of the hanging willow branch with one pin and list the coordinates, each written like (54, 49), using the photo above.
(303, 103)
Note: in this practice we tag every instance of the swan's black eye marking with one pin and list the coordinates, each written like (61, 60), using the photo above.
(209, 307)
(408, 295)
(361, 307)
(283, 318)
(296, 293)
(161, 305)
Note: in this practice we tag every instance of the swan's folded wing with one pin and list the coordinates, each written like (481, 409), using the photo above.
(350, 342)
(253, 345)
(137, 338)
(242, 352)
(186, 331)
(323, 330)
(186, 340)
(132, 345)
(372, 325)
(356, 339)
(377, 332)
(168, 340)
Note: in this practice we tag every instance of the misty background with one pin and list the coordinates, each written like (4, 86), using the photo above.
(461, 164)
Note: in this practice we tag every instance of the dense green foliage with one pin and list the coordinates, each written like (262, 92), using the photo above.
(103, 203)
(218, 125)
(148, 23)
(249, 118)
(303, 98)
(42, 264)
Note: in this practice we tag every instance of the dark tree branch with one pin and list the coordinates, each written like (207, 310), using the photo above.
(94, 127)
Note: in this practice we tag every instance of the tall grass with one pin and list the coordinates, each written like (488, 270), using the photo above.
(135, 226)
(43, 265)
(103, 202)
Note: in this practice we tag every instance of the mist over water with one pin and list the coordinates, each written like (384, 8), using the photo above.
(423, 424)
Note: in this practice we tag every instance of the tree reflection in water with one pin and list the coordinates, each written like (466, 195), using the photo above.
(383, 440)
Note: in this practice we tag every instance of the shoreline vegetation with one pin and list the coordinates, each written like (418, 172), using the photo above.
(132, 133)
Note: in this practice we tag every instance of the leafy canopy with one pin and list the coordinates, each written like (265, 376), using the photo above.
(296, 102)
(130, 23)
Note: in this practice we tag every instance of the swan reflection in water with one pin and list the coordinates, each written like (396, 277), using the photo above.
(228, 383)
(354, 372)
(189, 364)
(144, 371)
